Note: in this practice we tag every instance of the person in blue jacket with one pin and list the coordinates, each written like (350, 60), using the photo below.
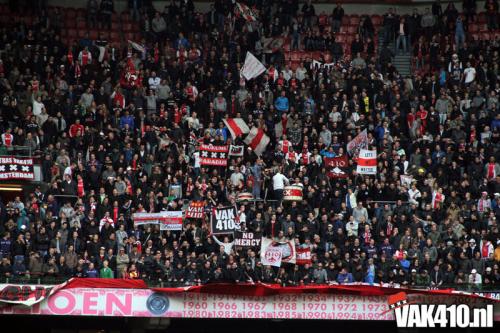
(281, 104)
(344, 276)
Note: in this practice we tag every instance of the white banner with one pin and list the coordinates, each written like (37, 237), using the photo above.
(168, 220)
(359, 142)
(252, 67)
(269, 252)
(367, 162)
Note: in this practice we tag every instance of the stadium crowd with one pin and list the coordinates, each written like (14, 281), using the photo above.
(117, 126)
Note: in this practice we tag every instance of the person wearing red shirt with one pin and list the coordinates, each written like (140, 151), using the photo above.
(75, 128)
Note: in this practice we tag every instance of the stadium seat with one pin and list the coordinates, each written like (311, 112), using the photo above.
(70, 23)
(81, 33)
(94, 34)
(70, 13)
(352, 29)
(127, 27)
(72, 33)
(81, 24)
(354, 20)
(114, 35)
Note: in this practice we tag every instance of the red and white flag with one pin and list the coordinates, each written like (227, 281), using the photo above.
(236, 126)
(303, 255)
(213, 155)
(246, 12)
(359, 142)
(367, 162)
(257, 140)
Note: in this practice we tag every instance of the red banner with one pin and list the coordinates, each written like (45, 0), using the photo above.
(303, 255)
(196, 210)
(337, 166)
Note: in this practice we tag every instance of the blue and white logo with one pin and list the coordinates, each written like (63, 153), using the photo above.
(157, 304)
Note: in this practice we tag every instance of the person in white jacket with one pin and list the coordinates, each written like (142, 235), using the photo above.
(475, 278)
(228, 246)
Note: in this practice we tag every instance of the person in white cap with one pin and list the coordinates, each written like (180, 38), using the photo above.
(475, 278)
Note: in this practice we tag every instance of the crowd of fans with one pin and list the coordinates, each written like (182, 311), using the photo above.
(116, 127)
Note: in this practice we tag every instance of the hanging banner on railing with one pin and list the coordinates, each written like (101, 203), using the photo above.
(16, 168)
(160, 302)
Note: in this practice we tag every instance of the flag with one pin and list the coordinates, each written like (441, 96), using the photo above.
(303, 255)
(336, 166)
(213, 155)
(367, 162)
(236, 126)
(273, 44)
(252, 67)
(196, 210)
(236, 150)
(269, 252)
(257, 140)
(246, 12)
(137, 46)
(359, 142)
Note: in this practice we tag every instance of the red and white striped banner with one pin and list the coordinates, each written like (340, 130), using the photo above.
(367, 162)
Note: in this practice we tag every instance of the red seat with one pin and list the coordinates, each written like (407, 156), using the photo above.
(70, 13)
(70, 23)
(345, 20)
(104, 34)
(81, 33)
(295, 56)
(352, 29)
(81, 24)
(486, 36)
(72, 33)
(93, 34)
(81, 12)
(316, 55)
(125, 15)
(115, 17)
(130, 36)
(115, 26)
(114, 35)
(354, 20)
(127, 26)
